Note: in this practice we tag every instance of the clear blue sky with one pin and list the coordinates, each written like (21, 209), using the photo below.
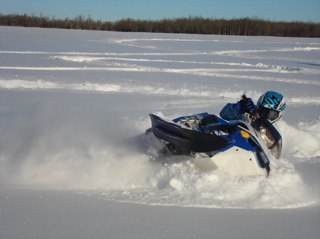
(111, 10)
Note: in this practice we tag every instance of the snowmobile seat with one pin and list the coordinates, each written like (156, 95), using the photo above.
(211, 119)
(213, 123)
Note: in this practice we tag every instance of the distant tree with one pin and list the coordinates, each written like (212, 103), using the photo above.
(191, 25)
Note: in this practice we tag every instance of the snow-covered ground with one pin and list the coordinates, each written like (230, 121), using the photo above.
(73, 107)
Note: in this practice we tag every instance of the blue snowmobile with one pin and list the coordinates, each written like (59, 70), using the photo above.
(238, 147)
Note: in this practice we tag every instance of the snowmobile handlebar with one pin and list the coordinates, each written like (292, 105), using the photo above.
(244, 97)
(254, 114)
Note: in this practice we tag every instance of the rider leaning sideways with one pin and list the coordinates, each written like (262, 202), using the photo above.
(269, 106)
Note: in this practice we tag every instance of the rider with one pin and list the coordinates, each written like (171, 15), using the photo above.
(270, 106)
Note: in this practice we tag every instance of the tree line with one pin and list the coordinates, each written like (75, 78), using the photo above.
(191, 25)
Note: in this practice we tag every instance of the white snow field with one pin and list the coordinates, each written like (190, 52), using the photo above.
(74, 107)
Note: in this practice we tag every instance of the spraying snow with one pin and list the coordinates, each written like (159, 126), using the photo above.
(70, 119)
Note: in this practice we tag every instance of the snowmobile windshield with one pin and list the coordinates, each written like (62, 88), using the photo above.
(270, 135)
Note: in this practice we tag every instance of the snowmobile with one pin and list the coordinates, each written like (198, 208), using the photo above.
(238, 147)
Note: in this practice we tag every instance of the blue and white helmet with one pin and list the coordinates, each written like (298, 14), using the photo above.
(271, 106)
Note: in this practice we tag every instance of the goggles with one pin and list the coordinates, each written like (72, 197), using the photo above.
(271, 115)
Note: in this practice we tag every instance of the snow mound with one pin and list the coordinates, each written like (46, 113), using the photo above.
(180, 184)
(278, 68)
(302, 142)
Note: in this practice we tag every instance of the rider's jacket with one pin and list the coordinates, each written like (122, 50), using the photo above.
(232, 112)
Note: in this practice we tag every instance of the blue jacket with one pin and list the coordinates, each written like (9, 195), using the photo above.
(232, 112)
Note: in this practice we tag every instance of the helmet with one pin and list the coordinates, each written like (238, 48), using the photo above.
(271, 106)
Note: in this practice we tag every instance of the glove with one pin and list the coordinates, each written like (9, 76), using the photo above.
(246, 106)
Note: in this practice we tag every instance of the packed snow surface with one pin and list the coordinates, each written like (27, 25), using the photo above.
(74, 107)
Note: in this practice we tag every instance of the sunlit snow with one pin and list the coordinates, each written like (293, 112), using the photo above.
(74, 107)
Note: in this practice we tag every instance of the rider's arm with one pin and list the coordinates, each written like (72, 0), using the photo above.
(231, 112)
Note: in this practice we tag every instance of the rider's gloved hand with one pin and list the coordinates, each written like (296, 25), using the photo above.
(246, 106)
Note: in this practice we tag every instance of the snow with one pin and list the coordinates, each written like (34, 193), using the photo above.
(73, 109)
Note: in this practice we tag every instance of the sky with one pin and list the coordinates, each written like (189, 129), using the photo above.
(112, 10)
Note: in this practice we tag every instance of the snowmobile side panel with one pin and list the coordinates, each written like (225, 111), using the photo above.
(236, 161)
